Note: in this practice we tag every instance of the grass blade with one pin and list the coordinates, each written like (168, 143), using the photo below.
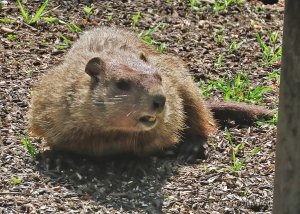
(135, 20)
(29, 147)
(51, 19)
(39, 13)
(24, 13)
(49, 11)
(76, 27)
(66, 40)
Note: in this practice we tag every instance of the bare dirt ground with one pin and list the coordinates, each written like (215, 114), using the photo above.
(63, 183)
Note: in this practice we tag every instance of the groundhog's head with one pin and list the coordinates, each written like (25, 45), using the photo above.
(127, 93)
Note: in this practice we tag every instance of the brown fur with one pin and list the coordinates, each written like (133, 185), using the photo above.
(64, 109)
(241, 113)
(78, 106)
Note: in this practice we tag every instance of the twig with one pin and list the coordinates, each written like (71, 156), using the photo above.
(9, 193)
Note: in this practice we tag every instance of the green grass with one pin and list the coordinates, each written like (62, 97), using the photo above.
(205, 89)
(29, 72)
(274, 37)
(51, 19)
(193, 4)
(66, 40)
(219, 61)
(272, 121)
(224, 4)
(271, 52)
(246, 192)
(146, 35)
(88, 10)
(27, 17)
(238, 89)
(219, 36)
(71, 26)
(29, 147)
(135, 20)
(109, 18)
(236, 163)
(162, 47)
(61, 47)
(220, 39)
(11, 37)
(40, 14)
(275, 75)
(234, 46)
(239, 2)
(5, 21)
(168, 1)
(15, 181)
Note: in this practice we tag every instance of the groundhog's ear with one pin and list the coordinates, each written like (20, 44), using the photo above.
(95, 67)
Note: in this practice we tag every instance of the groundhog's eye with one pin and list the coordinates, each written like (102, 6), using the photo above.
(123, 85)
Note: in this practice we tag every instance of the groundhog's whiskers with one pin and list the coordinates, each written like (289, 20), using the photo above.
(115, 99)
(127, 115)
(104, 103)
(132, 112)
(121, 96)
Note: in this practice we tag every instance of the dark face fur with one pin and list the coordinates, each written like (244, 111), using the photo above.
(129, 92)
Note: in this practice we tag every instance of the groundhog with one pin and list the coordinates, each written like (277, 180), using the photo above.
(116, 94)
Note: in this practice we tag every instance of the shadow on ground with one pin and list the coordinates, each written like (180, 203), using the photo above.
(122, 182)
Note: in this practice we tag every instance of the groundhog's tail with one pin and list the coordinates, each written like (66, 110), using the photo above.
(240, 113)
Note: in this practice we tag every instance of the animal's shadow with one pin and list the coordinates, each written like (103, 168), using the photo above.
(121, 182)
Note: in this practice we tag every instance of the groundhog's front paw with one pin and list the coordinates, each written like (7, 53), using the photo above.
(193, 150)
(56, 160)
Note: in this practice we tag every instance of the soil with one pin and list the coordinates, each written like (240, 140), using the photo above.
(63, 183)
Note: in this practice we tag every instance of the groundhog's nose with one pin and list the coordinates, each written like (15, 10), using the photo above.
(159, 102)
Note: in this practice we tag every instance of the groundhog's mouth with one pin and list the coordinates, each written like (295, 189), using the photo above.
(148, 120)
